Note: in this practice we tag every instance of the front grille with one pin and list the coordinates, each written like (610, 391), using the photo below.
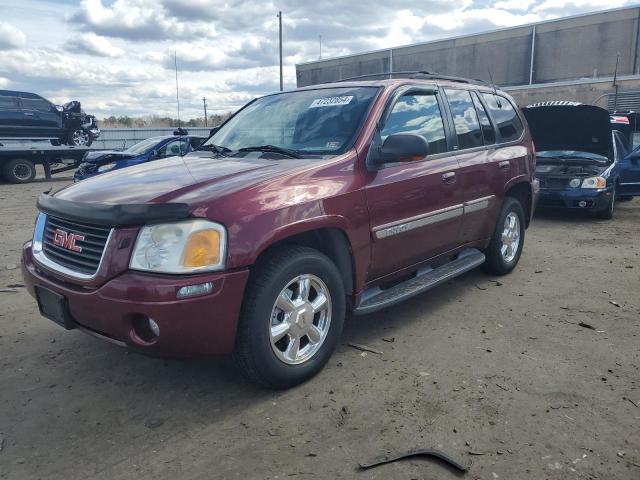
(88, 259)
(554, 183)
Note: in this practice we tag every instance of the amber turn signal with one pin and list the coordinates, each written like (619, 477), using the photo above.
(202, 249)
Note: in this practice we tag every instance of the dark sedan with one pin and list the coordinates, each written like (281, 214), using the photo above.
(95, 163)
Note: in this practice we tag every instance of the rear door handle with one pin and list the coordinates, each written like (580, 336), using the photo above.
(28, 114)
(504, 165)
(449, 177)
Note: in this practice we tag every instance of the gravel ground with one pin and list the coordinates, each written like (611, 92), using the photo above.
(497, 373)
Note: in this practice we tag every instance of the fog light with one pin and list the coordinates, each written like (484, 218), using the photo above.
(195, 290)
(153, 326)
(582, 203)
(575, 182)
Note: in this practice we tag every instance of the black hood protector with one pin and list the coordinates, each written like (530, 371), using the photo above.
(570, 126)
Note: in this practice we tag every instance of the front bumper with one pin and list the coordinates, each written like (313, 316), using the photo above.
(195, 326)
(577, 198)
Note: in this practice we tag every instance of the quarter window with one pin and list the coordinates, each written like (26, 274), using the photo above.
(505, 116)
(419, 114)
(465, 119)
(488, 133)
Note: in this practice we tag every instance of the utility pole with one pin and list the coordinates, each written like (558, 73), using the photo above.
(280, 26)
(175, 63)
(204, 104)
(320, 39)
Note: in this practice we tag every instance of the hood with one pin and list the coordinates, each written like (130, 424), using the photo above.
(106, 156)
(190, 179)
(570, 126)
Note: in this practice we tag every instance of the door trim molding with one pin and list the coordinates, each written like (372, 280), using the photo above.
(429, 218)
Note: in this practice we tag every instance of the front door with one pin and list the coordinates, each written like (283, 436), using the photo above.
(40, 118)
(630, 175)
(415, 207)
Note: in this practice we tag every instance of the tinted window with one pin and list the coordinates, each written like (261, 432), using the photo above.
(488, 133)
(465, 119)
(505, 116)
(176, 147)
(8, 103)
(419, 114)
(39, 104)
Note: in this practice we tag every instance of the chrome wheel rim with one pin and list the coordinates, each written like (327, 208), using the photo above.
(510, 239)
(21, 172)
(80, 137)
(300, 319)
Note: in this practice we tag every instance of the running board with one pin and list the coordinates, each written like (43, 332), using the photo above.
(374, 299)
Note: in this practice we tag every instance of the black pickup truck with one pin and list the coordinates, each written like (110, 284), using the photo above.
(26, 115)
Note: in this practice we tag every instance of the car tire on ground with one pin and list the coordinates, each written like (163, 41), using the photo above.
(79, 137)
(607, 212)
(506, 244)
(287, 332)
(19, 171)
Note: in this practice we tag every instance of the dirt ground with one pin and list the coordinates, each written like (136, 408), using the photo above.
(497, 374)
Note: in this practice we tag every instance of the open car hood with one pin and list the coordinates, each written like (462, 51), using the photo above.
(570, 126)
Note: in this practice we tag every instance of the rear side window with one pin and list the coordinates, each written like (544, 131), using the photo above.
(419, 114)
(505, 116)
(488, 133)
(39, 104)
(8, 103)
(465, 119)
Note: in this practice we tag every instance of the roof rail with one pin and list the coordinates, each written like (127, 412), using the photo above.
(413, 74)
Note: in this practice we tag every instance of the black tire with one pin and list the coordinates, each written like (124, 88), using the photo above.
(254, 354)
(19, 171)
(79, 137)
(496, 263)
(607, 212)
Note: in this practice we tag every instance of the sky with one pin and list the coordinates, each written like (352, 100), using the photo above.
(117, 56)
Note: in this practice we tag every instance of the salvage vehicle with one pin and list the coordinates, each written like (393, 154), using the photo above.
(302, 207)
(578, 156)
(154, 148)
(26, 115)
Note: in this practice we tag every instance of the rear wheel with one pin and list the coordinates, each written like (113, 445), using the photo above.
(506, 244)
(292, 317)
(19, 171)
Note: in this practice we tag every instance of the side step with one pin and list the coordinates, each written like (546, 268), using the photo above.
(376, 299)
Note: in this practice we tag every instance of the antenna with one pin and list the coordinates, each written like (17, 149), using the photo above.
(495, 90)
(175, 63)
(204, 104)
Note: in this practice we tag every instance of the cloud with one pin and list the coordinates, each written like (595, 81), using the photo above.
(92, 44)
(11, 37)
(572, 7)
(4, 82)
(515, 4)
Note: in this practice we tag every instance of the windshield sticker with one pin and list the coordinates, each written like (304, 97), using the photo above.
(333, 145)
(331, 101)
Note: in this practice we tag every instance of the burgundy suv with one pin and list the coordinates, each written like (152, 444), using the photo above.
(304, 206)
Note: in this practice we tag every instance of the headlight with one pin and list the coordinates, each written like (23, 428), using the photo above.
(106, 168)
(575, 182)
(594, 182)
(183, 247)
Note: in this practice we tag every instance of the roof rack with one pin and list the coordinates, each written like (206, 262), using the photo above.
(414, 74)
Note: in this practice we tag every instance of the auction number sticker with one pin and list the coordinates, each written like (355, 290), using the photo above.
(331, 101)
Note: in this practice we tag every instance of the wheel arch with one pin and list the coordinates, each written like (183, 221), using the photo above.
(521, 191)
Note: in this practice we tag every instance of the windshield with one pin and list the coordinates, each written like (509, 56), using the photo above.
(571, 155)
(322, 121)
(144, 145)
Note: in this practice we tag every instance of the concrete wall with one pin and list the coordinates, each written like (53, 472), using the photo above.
(571, 48)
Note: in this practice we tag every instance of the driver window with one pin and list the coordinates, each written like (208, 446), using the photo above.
(419, 114)
(173, 148)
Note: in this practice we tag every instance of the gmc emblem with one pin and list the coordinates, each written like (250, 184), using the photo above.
(67, 240)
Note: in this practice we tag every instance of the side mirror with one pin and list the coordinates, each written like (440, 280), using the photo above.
(213, 130)
(404, 147)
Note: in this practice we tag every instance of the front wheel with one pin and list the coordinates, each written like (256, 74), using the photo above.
(607, 212)
(292, 317)
(506, 244)
(79, 138)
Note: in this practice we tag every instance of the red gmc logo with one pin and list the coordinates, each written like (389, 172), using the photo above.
(67, 240)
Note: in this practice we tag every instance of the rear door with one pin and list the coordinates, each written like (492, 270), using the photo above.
(10, 115)
(415, 207)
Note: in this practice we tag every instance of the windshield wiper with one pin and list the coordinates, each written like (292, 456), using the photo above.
(219, 149)
(272, 148)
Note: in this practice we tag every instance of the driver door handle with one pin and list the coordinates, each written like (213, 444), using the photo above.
(449, 177)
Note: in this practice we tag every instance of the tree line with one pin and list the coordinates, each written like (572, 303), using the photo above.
(157, 121)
